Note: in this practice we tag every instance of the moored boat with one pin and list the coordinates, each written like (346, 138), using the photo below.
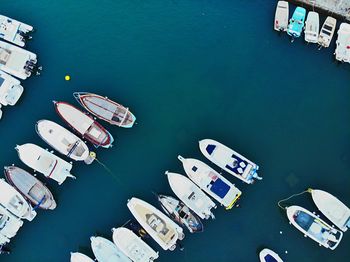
(335, 210)
(312, 27)
(327, 32)
(191, 195)
(105, 251)
(229, 160)
(314, 227)
(296, 23)
(133, 246)
(30, 187)
(161, 228)
(84, 125)
(180, 213)
(281, 16)
(17, 61)
(267, 255)
(14, 202)
(62, 140)
(342, 51)
(9, 225)
(10, 89)
(106, 109)
(211, 182)
(79, 257)
(14, 31)
(44, 162)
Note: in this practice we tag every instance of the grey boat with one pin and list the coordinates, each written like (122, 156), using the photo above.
(30, 187)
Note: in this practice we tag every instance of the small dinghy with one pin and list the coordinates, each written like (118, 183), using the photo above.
(17, 61)
(9, 225)
(133, 246)
(14, 31)
(62, 140)
(296, 23)
(191, 195)
(281, 16)
(180, 213)
(106, 109)
(342, 51)
(161, 228)
(10, 89)
(84, 125)
(211, 182)
(327, 32)
(337, 212)
(79, 257)
(14, 202)
(315, 228)
(229, 160)
(312, 27)
(44, 162)
(105, 251)
(30, 187)
(267, 255)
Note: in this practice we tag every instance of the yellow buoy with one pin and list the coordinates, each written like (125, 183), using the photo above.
(67, 77)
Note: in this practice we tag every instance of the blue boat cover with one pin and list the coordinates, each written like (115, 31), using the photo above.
(220, 188)
(210, 149)
(269, 258)
(304, 220)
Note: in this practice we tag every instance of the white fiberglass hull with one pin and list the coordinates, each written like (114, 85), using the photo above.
(10, 89)
(281, 16)
(342, 51)
(14, 31)
(133, 246)
(9, 224)
(312, 27)
(337, 212)
(266, 254)
(327, 32)
(79, 257)
(105, 251)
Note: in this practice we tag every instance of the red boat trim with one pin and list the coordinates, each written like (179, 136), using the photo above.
(53, 169)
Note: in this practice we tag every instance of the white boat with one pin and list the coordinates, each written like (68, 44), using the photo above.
(312, 27)
(105, 251)
(14, 202)
(327, 32)
(267, 255)
(160, 227)
(229, 160)
(10, 89)
(314, 227)
(62, 140)
(342, 51)
(17, 61)
(44, 162)
(14, 31)
(9, 225)
(133, 246)
(281, 16)
(79, 257)
(211, 182)
(191, 195)
(335, 210)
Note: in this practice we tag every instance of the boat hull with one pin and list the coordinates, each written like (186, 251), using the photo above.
(105, 251)
(267, 255)
(281, 16)
(79, 257)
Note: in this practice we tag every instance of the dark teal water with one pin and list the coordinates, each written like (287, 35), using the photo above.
(188, 70)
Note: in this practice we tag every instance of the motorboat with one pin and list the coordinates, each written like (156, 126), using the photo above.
(314, 227)
(84, 125)
(281, 16)
(327, 32)
(267, 255)
(133, 246)
(44, 162)
(296, 23)
(312, 27)
(105, 251)
(62, 140)
(211, 182)
(14, 31)
(9, 225)
(342, 51)
(10, 89)
(161, 228)
(229, 160)
(17, 61)
(191, 195)
(106, 109)
(14, 202)
(30, 187)
(335, 210)
(180, 213)
(79, 257)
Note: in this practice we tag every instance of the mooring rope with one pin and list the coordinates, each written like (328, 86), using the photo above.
(294, 195)
(109, 171)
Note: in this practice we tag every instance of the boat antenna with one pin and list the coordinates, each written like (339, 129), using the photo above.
(309, 190)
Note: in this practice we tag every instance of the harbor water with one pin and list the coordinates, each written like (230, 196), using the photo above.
(188, 70)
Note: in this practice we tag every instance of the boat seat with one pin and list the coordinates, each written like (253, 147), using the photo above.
(95, 132)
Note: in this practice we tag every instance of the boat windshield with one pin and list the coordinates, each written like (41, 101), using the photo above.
(327, 27)
(3, 220)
